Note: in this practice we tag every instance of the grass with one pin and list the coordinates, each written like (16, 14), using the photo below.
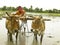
(4, 12)
(47, 14)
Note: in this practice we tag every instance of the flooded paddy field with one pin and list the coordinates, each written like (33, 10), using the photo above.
(51, 34)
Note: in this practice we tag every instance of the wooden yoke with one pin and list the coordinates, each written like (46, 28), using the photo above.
(21, 18)
(47, 19)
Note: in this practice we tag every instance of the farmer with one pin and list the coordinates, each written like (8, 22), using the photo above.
(21, 12)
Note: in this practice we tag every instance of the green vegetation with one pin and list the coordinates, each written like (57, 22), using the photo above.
(4, 12)
(54, 12)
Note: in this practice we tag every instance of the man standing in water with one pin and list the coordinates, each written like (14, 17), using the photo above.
(21, 12)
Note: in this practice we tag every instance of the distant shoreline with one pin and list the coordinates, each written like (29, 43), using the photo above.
(32, 13)
(44, 14)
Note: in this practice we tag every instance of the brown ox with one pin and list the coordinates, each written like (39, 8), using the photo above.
(38, 27)
(12, 25)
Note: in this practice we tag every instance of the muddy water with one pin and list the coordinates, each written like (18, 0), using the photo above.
(51, 36)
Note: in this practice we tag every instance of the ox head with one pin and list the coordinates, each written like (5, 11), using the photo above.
(37, 17)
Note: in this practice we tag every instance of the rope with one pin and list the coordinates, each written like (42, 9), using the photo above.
(29, 35)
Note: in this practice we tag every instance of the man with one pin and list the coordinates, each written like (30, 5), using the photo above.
(21, 12)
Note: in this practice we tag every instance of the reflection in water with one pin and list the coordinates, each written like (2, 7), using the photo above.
(52, 30)
(9, 42)
(35, 42)
(22, 39)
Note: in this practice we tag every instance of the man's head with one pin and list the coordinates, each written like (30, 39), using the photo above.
(19, 8)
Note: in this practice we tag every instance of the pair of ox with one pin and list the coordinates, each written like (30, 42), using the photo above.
(38, 26)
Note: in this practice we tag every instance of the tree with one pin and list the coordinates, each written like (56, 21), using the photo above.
(50, 11)
(13, 8)
(41, 10)
(37, 9)
(9, 8)
(46, 11)
(55, 10)
(4, 8)
(31, 9)
(26, 9)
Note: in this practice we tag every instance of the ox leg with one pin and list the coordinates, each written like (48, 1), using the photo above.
(16, 35)
(35, 34)
(10, 36)
(41, 39)
(8, 32)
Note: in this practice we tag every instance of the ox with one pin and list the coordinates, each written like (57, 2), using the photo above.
(38, 27)
(12, 25)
